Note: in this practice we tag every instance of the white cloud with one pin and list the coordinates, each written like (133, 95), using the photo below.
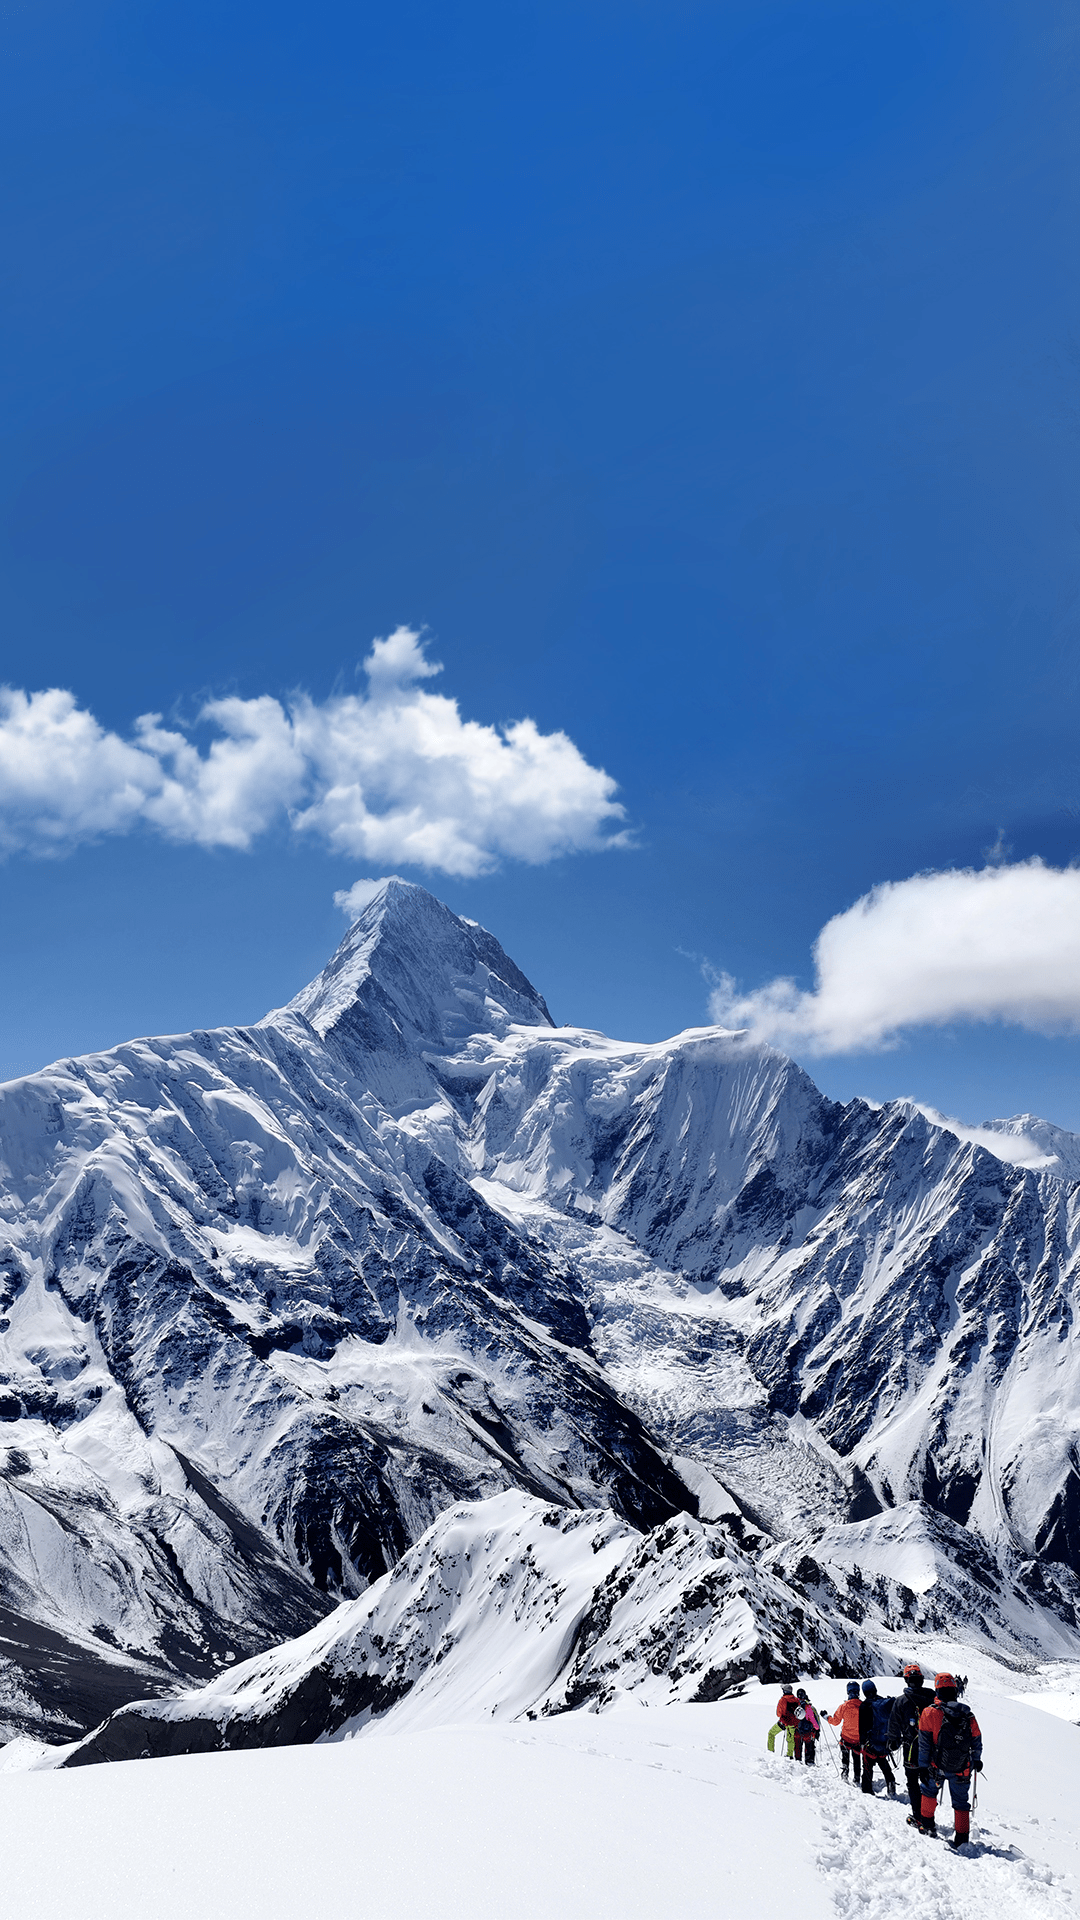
(403, 777)
(395, 774)
(231, 794)
(62, 777)
(396, 661)
(1008, 1141)
(352, 900)
(998, 943)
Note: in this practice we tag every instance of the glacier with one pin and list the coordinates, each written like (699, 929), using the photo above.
(275, 1301)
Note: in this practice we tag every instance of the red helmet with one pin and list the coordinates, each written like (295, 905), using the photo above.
(911, 1670)
(943, 1680)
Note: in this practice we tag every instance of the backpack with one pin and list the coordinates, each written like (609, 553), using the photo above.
(952, 1753)
(879, 1729)
(909, 1711)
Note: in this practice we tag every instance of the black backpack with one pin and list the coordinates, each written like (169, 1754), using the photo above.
(954, 1743)
(908, 1713)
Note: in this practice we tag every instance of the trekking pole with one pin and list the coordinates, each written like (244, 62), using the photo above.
(834, 1749)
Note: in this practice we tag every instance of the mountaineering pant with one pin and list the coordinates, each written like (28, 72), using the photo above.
(869, 1762)
(849, 1752)
(958, 1793)
(914, 1791)
(789, 1733)
(804, 1747)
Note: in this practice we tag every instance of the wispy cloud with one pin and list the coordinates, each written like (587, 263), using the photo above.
(393, 774)
(996, 943)
(352, 900)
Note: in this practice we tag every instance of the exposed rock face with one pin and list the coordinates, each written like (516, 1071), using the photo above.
(273, 1299)
(507, 1607)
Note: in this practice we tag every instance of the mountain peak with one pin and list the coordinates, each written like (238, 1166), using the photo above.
(412, 977)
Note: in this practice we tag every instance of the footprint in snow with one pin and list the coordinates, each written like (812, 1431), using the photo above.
(877, 1868)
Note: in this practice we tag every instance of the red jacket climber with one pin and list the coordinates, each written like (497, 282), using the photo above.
(950, 1748)
(786, 1706)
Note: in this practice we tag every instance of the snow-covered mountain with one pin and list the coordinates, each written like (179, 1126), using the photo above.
(510, 1608)
(275, 1299)
(507, 1607)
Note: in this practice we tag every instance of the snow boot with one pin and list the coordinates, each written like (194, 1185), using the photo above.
(962, 1826)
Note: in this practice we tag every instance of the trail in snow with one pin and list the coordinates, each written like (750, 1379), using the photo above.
(875, 1866)
(872, 1865)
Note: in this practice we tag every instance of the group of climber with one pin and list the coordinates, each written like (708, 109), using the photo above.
(934, 1730)
(798, 1722)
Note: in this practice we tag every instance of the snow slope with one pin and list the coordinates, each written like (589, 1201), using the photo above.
(1033, 1142)
(627, 1815)
(506, 1608)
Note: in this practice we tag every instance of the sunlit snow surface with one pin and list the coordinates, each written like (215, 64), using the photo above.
(654, 1813)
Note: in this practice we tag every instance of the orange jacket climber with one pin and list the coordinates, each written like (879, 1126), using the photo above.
(846, 1718)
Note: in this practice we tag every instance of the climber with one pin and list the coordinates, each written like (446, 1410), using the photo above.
(950, 1748)
(807, 1728)
(789, 1738)
(846, 1718)
(874, 1716)
(904, 1732)
(786, 1714)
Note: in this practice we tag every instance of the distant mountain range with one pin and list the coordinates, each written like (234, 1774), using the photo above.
(276, 1301)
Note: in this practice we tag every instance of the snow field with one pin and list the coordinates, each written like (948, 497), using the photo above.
(639, 1813)
(535, 1823)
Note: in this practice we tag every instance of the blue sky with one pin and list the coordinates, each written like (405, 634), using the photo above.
(704, 382)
